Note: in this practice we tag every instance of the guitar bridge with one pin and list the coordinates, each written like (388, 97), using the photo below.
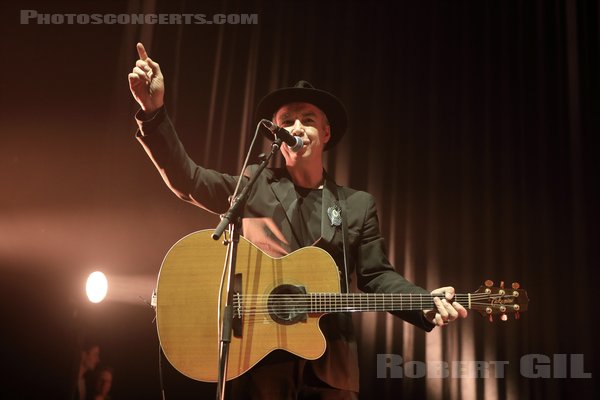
(237, 306)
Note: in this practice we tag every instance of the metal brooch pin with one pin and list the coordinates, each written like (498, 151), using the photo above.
(335, 215)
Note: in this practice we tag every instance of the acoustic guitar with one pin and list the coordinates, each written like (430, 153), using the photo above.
(277, 304)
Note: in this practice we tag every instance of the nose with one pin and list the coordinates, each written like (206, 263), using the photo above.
(298, 128)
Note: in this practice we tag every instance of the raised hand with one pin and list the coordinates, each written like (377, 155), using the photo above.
(146, 82)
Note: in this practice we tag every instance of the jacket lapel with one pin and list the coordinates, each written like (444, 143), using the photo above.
(284, 191)
(329, 200)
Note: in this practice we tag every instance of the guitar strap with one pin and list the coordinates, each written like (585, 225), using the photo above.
(342, 199)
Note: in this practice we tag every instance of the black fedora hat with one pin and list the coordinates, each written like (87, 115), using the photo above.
(304, 92)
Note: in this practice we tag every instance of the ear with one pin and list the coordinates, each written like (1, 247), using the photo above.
(327, 134)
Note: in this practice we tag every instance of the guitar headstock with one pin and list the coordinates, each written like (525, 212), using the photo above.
(490, 300)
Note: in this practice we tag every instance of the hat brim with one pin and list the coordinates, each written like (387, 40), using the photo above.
(332, 107)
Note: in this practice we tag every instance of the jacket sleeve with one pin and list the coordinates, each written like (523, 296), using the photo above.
(200, 186)
(374, 272)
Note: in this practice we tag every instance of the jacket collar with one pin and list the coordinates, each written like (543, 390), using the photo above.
(284, 190)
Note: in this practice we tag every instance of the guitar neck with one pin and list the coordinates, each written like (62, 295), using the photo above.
(362, 302)
(485, 300)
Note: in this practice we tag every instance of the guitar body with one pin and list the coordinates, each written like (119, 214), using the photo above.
(277, 304)
(187, 293)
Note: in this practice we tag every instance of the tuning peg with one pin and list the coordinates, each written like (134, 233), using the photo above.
(489, 283)
(491, 318)
(515, 285)
(501, 284)
(503, 317)
(517, 315)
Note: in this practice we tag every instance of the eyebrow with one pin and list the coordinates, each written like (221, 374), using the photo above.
(307, 114)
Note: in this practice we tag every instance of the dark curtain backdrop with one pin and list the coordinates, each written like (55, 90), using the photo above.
(470, 121)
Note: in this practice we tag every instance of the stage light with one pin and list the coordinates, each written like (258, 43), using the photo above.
(96, 287)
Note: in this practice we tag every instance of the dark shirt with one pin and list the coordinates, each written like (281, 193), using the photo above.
(308, 208)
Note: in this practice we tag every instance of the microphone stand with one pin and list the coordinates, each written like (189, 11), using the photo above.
(232, 219)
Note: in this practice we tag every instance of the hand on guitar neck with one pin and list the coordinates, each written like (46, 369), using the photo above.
(446, 309)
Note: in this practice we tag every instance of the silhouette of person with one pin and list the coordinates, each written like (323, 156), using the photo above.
(88, 360)
(103, 383)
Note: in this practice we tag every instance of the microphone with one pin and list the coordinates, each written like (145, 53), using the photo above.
(294, 142)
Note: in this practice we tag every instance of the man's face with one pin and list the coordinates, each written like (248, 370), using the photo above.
(307, 122)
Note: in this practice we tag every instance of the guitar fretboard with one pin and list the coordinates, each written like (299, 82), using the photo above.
(354, 302)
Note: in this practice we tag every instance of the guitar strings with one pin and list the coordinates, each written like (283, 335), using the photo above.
(251, 305)
(257, 312)
(327, 299)
(360, 296)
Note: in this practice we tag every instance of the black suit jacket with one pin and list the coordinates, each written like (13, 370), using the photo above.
(267, 222)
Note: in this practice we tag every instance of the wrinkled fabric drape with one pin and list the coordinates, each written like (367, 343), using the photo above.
(468, 122)
(471, 122)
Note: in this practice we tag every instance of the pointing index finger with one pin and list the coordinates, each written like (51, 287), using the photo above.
(141, 51)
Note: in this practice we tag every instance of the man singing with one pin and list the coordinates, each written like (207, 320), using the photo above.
(290, 208)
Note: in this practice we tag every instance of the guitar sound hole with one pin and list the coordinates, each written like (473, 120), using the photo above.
(287, 305)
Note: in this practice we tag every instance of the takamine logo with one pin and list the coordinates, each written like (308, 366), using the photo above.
(503, 300)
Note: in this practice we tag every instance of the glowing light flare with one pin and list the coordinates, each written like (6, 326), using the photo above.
(96, 287)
